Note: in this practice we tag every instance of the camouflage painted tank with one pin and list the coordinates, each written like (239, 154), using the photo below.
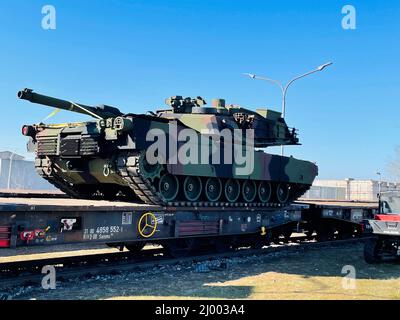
(177, 156)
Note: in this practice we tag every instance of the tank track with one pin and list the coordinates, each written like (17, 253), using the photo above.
(55, 180)
(128, 169)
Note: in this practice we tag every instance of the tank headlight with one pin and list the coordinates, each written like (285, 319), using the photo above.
(28, 131)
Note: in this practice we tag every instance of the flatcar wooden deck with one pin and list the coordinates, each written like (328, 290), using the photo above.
(66, 204)
(340, 203)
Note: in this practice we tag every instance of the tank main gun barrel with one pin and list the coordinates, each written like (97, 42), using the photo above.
(99, 111)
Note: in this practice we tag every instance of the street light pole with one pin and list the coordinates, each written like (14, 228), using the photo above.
(286, 87)
(379, 183)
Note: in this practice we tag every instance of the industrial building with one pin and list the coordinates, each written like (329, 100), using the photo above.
(18, 173)
(349, 189)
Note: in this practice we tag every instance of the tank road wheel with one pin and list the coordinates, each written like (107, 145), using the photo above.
(232, 190)
(282, 193)
(192, 188)
(213, 189)
(249, 190)
(264, 191)
(149, 171)
(168, 187)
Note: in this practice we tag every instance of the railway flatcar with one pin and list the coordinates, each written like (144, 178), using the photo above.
(34, 221)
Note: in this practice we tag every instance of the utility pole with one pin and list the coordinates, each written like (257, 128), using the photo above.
(379, 183)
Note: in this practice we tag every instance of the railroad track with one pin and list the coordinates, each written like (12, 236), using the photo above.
(23, 273)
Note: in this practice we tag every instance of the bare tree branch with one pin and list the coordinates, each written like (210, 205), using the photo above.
(393, 165)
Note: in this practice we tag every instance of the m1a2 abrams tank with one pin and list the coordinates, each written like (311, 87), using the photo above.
(109, 156)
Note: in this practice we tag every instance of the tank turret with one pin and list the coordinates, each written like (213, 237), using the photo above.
(270, 129)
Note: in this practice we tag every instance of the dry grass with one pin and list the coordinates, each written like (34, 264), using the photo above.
(313, 274)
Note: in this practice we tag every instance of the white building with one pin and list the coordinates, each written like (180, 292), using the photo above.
(18, 173)
(348, 189)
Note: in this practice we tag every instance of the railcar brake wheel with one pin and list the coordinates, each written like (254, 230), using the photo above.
(232, 190)
(192, 187)
(213, 189)
(168, 187)
(264, 191)
(249, 190)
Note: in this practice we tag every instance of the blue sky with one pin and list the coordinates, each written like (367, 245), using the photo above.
(134, 54)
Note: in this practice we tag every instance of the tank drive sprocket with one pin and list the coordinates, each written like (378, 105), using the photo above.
(149, 171)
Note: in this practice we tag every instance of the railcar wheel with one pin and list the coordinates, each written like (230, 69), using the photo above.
(310, 234)
(192, 188)
(222, 245)
(232, 190)
(168, 187)
(180, 248)
(135, 247)
(325, 233)
(264, 191)
(249, 190)
(286, 235)
(257, 243)
(345, 233)
(282, 193)
(213, 189)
